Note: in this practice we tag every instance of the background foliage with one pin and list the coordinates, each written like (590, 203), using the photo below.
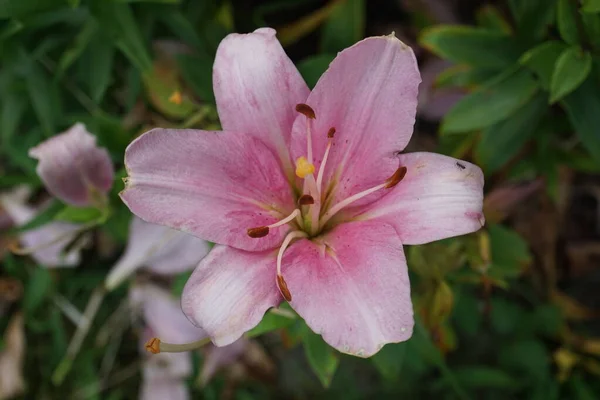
(508, 312)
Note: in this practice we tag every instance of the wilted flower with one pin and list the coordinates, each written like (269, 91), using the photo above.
(47, 244)
(343, 211)
(73, 168)
(162, 250)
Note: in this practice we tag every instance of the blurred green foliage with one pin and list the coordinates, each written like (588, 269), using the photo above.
(529, 71)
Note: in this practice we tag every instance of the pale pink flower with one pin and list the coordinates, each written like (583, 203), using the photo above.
(159, 249)
(12, 356)
(48, 242)
(73, 168)
(164, 374)
(339, 261)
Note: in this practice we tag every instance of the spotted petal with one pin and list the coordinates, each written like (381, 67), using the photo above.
(257, 88)
(369, 95)
(214, 185)
(439, 197)
(351, 286)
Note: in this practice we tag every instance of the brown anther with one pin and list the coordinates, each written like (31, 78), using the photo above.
(331, 133)
(283, 288)
(259, 232)
(396, 178)
(306, 200)
(306, 110)
(153, 345)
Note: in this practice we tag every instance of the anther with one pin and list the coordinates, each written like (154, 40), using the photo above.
(153, 346)
(306, 110)
(304, 167)
(258, 232)
(331, 133)
(306, 200)
(396, 177)
(283, 288)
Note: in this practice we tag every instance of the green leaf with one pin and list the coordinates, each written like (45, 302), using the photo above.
(473, 46)
(591, 6)
(270, 322)
(313, 67)
(491, 18)
(43, 95)
(345, 26)
(583, 109)
(78, 214)
(492, 103)
(534, 17)
(481, 376)
(322, 358)
(100, 61)
(501, 142)
(77, 48)
(44, 217)
(182, 27)
(390, 359)
(149, 1)
(541, 60)
(591, 25)
(581, 390)
(20, 8)
(463, 76)
(572, 68)
(507, 263)
(37, 289)
(527, 357)
(161, 84)
(197, 72)
(566, 15)
(118, 20)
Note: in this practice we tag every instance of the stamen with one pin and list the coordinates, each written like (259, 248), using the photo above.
(396, 178)
(306, 110)
(281, 284)
(262, 231)
(389, 183)
(304, 167)
(155, 346)
(330, 135)
(306, 200)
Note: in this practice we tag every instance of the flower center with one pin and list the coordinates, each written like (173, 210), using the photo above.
(313, 213)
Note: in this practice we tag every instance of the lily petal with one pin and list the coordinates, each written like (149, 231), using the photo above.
(230, 291)
(49, 256)
(218, 357)
(72, 167)
(214, 185)
(162, 250)
(257, 88)
(369, 95)
(160, 389)
(163, 315)
(439, 197)
(352, 287)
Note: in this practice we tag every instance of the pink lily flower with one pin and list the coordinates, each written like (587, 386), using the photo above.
(73, 168)
(305, 193)
(159, 249)
(48, 242)
(165, 373)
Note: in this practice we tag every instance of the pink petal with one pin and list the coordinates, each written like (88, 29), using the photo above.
(230, 291)
(70, 164)
(369, 95)
(439, 197)
(162, 250)
(163, 315)
(48, 256)
(257, 88)
(219, 357)
(214, 185)
(351, 286)
(172, 389)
